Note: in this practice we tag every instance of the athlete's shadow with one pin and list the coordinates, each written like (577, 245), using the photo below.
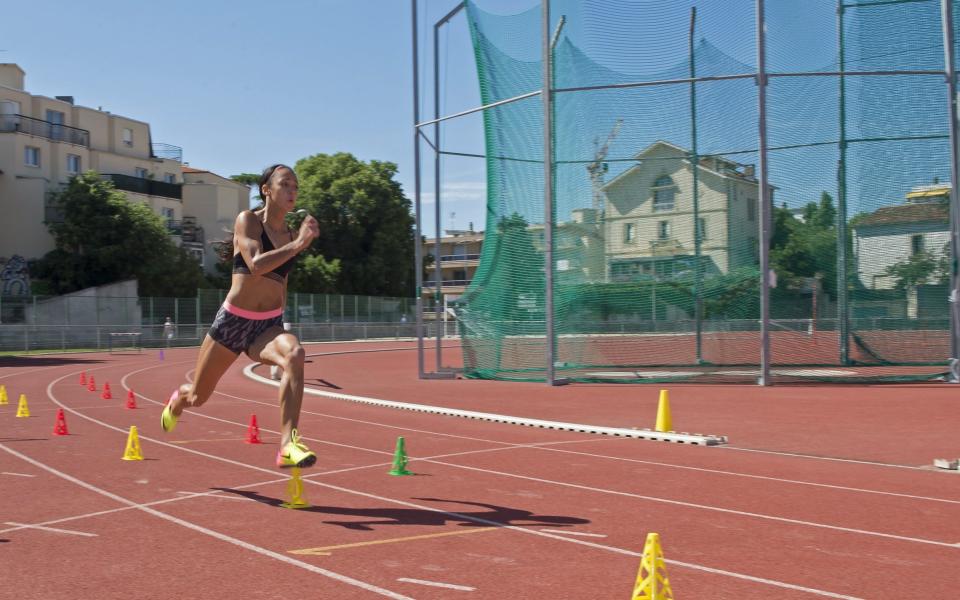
(493, 516)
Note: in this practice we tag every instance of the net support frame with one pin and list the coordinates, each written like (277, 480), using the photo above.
(762, 78)
(950, 68)
(765, 205)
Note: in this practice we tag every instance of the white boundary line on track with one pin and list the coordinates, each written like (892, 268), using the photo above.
(50, 529)
(693, 439)
(209, 532)
(716, 471)
(625, 494)
(449, 586)
(614, 549)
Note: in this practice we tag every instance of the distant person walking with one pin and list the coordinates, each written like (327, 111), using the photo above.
(168, 328)
(251, 319)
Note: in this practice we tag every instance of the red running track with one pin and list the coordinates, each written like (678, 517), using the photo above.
(824, 491)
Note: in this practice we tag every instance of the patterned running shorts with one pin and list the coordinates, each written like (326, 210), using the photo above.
(237, 329)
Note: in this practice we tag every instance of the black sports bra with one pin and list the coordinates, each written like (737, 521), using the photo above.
(278, 274)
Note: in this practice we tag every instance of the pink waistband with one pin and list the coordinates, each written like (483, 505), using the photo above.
(252, 314)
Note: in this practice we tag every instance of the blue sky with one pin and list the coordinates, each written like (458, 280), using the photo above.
(243, 84)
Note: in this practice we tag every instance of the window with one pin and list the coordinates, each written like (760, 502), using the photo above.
(628, 233)
(140, 172)
(664, 191)
(31, 156)
(663, 230)
(167, 213)
(197, 254)
(751, 209)
(169, 178)
(73, 164)
(702, 228)
(916, 244)
(127, 136)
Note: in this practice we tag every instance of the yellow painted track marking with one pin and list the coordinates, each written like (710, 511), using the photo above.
(326, 550)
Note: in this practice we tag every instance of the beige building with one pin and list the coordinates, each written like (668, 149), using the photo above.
(649, 222)
(46, 141)
(459, 259)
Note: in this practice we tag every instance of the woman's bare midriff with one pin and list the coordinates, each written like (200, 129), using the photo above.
(254, 292)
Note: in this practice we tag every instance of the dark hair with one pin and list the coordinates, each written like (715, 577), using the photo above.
(224, 247)
(265, 178)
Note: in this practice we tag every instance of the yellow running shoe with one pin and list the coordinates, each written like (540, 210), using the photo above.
(168, 420)
(295, 453)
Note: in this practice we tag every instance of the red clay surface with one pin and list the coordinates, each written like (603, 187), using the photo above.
(823, 491)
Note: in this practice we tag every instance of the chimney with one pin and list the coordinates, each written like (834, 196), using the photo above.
(749, 171)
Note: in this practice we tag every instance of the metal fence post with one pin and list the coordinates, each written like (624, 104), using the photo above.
(765, 206)
(950, 65)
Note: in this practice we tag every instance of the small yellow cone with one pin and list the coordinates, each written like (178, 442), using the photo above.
(295, 490)
(664, 421)
(133, 451)
(652, 582)
(22, 409)
(3, 395)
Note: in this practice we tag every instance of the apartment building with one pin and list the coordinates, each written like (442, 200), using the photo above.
(459, 258)
(46, 141)
(650, 222)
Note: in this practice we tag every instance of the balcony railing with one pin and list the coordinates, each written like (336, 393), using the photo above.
(454, 257)
(187, 229)
(150, 187)
(45, 129)
(448, 283)
(168, 151)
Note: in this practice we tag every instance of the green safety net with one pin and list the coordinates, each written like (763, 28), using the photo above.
(657, 193)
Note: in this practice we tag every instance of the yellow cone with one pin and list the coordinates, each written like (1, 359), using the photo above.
(652, 582)
(664, 421)
(3, 395)
(295, 490)
(133, 451)
(22, 409)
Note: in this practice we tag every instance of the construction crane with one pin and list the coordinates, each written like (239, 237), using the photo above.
(598, 168)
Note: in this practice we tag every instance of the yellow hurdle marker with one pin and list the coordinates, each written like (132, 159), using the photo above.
(133, 451)
(295, 490)
(664, 421)
(22, 409)
(652, 582)
(3, 395)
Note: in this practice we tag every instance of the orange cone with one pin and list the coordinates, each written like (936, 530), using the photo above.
(253, 431)
(83, 378)
(60, 427)
(131, 400)
(92, 386)
(106, 392)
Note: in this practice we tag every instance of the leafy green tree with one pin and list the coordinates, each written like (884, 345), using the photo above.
(913, 271)
(366, 228)
(808, 247)
(104, 238)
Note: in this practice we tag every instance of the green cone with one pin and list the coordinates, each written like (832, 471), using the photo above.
(400, 459)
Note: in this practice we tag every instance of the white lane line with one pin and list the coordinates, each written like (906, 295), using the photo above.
(612, 492)
(209, 532)
(17, 474)
(50, 529)
(546, 447)
(217, 494)
(466, 517)
(694, 505)
(449, 586)
(582, 533)
(829, 458)
(751, 476)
